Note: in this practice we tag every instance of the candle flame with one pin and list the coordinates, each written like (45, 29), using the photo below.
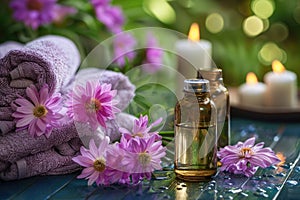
(194, 33)
(251, 78)
(277, 66)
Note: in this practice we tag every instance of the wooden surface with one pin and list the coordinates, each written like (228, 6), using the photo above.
(271, 183)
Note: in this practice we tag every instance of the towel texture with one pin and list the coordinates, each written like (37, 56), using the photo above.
(8, 46)
(50, 59)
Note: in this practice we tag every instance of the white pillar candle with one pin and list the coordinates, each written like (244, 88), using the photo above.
(193, 54)
(281, 87)
(252, 92)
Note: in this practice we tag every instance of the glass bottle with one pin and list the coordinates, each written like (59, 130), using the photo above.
(220, 96)
(195, 132)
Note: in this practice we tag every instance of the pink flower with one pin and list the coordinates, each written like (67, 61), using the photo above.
(245, 158)
(117, 172)
(154, 55)
(141, 129)
(94, 162)
(39, 114)
(60, 12)
(142, 157)
(33, 12)
(111, 16)
(124, 44)
(93, 104)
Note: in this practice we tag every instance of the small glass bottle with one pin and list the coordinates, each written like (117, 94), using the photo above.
(195, 132)
(220, 96)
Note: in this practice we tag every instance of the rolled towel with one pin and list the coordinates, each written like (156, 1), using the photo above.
(50, 59)
(119, 82)
(48, 162)
(8, 46)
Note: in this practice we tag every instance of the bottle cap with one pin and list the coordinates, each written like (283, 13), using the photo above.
(212, 75)
(196, 85)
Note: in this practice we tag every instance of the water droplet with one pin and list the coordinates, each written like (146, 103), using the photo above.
(261, 194)
(221, 196)
(281, 174)
(230, 197)
(227, 177)
(163, 187)
(212, 185)
(161, 177)
(256, 178)
(235, 191)
(292, 182)
(213, 182)
(260, 190)
(230, 184)
(209, 188)
(244, 194)
(216, 191)
(285, 166)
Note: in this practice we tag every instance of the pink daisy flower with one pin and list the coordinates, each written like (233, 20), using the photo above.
(154, 55)
(94, 162)
(33, 12)
(117, 172)
(142, 157)
(93, 104)
(141, 129)
(124, 44)
(245, 158)
(39, 114)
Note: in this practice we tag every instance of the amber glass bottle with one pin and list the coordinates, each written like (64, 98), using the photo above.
(220, 96)
(195, 132)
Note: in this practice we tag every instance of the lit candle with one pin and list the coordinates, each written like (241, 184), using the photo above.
(193, 54)
(252, 92)
(281, 86)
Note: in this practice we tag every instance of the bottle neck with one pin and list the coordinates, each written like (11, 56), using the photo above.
(200, 96)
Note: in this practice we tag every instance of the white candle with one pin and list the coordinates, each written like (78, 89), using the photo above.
(252, 92)
(281, 87)
(193, 54)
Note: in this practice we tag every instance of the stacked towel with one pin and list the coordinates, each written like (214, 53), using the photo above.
(52, 60)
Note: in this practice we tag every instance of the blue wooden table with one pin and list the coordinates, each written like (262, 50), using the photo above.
(271, 183)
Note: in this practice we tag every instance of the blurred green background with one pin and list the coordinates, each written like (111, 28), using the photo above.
(247, 35)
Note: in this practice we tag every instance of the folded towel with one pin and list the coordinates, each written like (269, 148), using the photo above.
(119, 82)
(8, 46)
(63, 143)
(49, 162)
(50, 59)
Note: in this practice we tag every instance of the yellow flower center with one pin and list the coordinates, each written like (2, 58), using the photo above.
(144, 158)
(244, 151)
(99, 165)
(137, 135)
(40, 111)
(93, 106)
(34, 5)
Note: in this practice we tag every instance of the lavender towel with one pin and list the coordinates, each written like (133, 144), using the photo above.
(8, 46)
(49, 59)
(119, 82)
(23, 156)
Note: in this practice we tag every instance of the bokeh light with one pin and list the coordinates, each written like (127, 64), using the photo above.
(296, 14)
(269, 52)
(253, 26)
(161, 9)
(279, 32)
(214, 23)
(263, 8)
